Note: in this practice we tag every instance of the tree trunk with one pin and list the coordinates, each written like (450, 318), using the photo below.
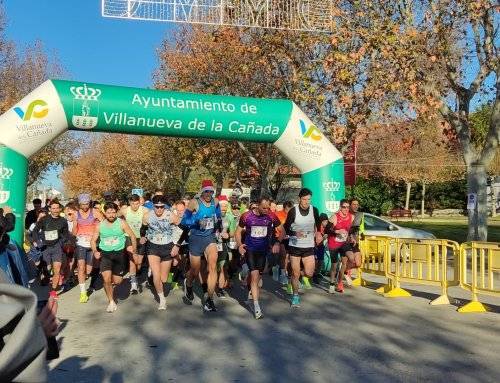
(422, 208)
(493, 195)
(478, 217)
(408, 190)
(219, 179)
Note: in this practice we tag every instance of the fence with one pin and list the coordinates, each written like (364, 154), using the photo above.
(474, 267)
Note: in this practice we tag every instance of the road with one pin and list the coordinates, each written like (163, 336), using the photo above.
(355, 337)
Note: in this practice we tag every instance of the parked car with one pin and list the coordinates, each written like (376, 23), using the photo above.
(381, 227)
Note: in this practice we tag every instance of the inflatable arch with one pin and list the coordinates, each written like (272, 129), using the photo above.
(58, 105)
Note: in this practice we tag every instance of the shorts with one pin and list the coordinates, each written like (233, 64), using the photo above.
(114, 261)
(319, 253)
(162, 251)
(141, 248)
(350, 247)
(256, 260)
(300, 252)
(53, 254)
(84, 253)
(199, 243)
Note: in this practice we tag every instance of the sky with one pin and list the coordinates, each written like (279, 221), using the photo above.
(90, 48)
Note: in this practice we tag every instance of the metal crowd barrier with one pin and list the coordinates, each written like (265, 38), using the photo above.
(479, 265)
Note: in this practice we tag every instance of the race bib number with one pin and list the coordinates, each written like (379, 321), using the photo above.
(232, 244)
(219, 247)
(83, 241)
(341, 237)
(111, 241)
(51, 235)
(207, 223)
(258, 231)
(160, 239)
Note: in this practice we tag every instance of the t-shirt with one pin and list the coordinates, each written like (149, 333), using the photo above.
(51, 230)
(259, 229)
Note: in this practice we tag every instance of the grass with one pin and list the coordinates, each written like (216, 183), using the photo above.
(454, 229)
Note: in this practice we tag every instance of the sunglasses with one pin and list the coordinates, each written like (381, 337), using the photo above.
(345, 207)
(159, 206)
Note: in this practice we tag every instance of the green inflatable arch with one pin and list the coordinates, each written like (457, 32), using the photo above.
(57, 105)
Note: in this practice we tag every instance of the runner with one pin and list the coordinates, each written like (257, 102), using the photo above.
(224, 239)
(111, 234)
(83, 229)
(337, 230)
(302, 223)
(202, 217)
(52, 233)
(133, 214)
(260, 234)
(158, 228)
(353, 253)
(282, 214)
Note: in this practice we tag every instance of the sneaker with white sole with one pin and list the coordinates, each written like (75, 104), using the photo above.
(162, 306)
(331, 289)
(348, 279)
(111, 307)
(258, 314)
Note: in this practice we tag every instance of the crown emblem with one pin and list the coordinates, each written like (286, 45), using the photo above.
(85, 92)
(5, 173)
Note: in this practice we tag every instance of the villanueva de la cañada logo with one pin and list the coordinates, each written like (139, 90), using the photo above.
(85, 106)
(5, 174)
(311, 132)
(36, 109)
(33, 123)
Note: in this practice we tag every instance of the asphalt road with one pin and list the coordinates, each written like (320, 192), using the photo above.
(355, 337)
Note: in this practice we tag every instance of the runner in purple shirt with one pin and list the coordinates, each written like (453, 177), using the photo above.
(259, 226)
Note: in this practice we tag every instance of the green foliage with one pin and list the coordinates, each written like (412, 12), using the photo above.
(372, 194)
(480, 124)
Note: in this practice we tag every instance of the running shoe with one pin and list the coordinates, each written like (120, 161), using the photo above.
(162, 306)
(289, 289)
(174, 286)
(133, 289)
(209, 305)
(348, 279)
(188, 291)
(306, 283)
(283, 279)
(340, 287)
(84, 298)
(301, 287)
(331, 289)
(258, 314)
(276, 271)
(295, 301)
(111, 307)
(220, 294)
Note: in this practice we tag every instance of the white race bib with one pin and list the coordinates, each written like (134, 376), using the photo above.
(232, 244)
(207, 223)
(341, 237)
(258, 231)
(160, 239)
(51, 235)
(111, 241)
(219, 247)
(83, 240)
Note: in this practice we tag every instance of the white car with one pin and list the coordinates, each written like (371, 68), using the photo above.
(381, 227)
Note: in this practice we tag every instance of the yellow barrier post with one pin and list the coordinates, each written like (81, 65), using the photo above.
(422, 261)
(374, 251)
(488, 254)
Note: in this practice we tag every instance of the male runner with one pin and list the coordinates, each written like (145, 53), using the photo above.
(111, 234)
(337, 230)
(52, 232)
(133, 215)
(158, 228)
(260, 234)
(202, 217)
(83, 229)
(302, 226)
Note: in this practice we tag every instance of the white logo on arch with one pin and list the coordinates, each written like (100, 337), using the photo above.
(85, 106)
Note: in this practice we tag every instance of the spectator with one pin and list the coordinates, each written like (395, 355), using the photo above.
(32, 215)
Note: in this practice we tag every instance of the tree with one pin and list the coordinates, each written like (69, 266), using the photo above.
(422, 57)
(247, 62)
(19, 75)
